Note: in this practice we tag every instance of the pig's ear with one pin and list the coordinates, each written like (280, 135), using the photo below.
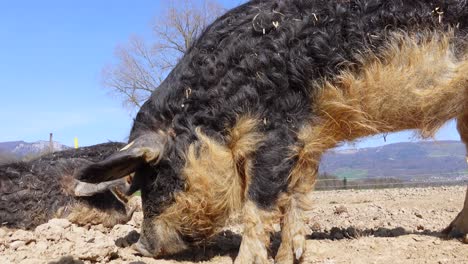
(83, 189)
(146, 149)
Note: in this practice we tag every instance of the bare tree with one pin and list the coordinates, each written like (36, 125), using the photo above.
(141, 66)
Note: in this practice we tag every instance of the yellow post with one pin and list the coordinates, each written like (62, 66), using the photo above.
(76, 142)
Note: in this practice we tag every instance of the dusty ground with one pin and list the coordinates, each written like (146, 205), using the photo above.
(367, 226)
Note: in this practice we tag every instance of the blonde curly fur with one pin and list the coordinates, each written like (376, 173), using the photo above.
(217, 177)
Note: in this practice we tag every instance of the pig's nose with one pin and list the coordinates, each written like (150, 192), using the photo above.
(140, 248)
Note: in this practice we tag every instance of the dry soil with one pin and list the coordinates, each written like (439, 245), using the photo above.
(347, 226)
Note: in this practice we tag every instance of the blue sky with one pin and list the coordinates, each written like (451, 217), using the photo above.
(51, 57)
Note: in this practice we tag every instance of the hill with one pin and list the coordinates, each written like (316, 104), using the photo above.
(406, 161)
(21, 149)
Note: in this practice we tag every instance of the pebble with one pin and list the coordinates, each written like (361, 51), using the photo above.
(22, 235)
(63, 223)
(121, 230)
(418, 215)
(136, 220)
(95, 253)
(100, 228)
(3, 233)
(41, 246)
(49, 232)
(16, 244)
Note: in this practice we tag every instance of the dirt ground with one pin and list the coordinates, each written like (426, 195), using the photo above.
(349, 226)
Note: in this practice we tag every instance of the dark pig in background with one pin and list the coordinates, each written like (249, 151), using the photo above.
(33, 192)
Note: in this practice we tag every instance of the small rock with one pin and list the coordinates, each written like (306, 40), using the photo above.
(93, 236)
(121, 230)
(340, 209)
(126, 255)
(316, 227)
(49, 232)
(95, 253)
(137, 219)
(420, 227)
(100, 228)
(78, 230)
(135, 203)
(31, 244)
(19, 257)
(66, 246)
(41, 246)
(418, 215)
(22, 235)
(16, 244)
(3, 233)
(63, 223)
(71, 236)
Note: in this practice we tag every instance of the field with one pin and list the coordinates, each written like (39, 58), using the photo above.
(351, 174)
(365, 226)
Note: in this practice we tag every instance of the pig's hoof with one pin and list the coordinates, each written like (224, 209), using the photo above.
(256, 254)
(458, 228)
(290, 251)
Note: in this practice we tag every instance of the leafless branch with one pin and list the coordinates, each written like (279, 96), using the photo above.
(142, 65)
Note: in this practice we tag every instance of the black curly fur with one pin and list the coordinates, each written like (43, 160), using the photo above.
(31, 192)
(244, 64)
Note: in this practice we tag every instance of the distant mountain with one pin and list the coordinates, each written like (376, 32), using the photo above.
(9, 146)
(21, 149)
(406, 161)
